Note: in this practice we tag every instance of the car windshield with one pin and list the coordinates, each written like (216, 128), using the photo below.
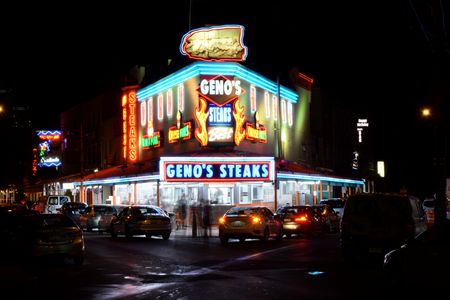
(247, 211)
(150, 211)
(296, 210)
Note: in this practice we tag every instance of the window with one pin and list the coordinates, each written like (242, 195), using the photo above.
(53, 200)
(257, 193)
(244, 196)
(220, 195)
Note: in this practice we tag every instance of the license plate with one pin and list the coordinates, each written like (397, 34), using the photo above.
(287, 220)
(238, 224)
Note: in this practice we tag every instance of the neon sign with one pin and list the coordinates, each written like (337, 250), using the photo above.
(239, 117)
(152, 141)
(35, 162)
(258, 133)
(220, 134)
(216, 43)
(129, 124)
(201, 134)
(220, 89)
(178, 132)
(49, 135)
(217, 169)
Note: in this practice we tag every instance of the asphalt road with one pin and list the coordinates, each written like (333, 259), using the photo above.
(196, 268)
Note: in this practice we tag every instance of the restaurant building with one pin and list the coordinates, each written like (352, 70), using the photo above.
(214, 131)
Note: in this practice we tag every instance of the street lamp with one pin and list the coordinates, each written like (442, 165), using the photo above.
(439, 163)
(426, 112)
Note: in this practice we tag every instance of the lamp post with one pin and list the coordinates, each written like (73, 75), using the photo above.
(439, 152)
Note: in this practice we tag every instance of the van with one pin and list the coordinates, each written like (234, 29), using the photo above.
(373, 224)
(54, 203)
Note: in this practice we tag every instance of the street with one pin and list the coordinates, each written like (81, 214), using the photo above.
(196, 268)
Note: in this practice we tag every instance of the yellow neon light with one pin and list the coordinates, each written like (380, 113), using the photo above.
(201, 134)
(239, 117)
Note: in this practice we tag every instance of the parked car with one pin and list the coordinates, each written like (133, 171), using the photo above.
(74, 210)
(11, 218)
(330, 219)
(422, 261)
(336, 203)
(54, 203)
(242, 222)
(301, 219)
(52, 235)
(373, 224)
(97, 217)
(148, 220)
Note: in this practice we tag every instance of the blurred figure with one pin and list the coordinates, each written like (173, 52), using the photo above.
(207, 219)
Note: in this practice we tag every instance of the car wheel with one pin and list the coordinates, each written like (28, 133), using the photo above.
(166, 236)
(78, 260)
(224, 240)
(265, 237)
(280, 234)
(288, 235)
(112, 232)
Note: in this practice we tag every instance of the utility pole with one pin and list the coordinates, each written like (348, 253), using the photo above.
(81, 163)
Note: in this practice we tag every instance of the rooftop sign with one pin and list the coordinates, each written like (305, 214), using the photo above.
(216, 43)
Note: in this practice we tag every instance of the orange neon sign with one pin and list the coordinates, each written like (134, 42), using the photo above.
(201, 134)
(239, 117)
(129, 123)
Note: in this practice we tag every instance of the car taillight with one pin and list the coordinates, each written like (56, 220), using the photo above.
(256, 220)
(222, 220)
(301, 219)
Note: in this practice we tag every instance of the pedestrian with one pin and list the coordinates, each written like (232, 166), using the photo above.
(183, 212)
(207, 219)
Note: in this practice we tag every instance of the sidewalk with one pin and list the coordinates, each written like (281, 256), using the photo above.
(187, 232)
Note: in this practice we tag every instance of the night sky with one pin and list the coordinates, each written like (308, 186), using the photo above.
(383, 60)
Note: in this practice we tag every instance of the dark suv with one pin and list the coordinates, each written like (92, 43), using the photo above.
(373, 224)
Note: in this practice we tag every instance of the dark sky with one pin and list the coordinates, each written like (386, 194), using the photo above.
(383, 59)
(60, 54)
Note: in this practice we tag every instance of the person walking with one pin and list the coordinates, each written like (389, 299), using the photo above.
(207, 219)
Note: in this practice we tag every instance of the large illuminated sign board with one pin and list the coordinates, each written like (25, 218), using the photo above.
(217, 169)
(220, 116)
(215, 43)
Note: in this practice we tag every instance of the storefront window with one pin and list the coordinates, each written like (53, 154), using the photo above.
(122, 194)
(257, 193)
(167, 199)
(146, 193)
(268, 193)
(244, 196)
(220, 195)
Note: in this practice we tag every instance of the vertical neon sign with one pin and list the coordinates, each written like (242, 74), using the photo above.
(129, 119)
